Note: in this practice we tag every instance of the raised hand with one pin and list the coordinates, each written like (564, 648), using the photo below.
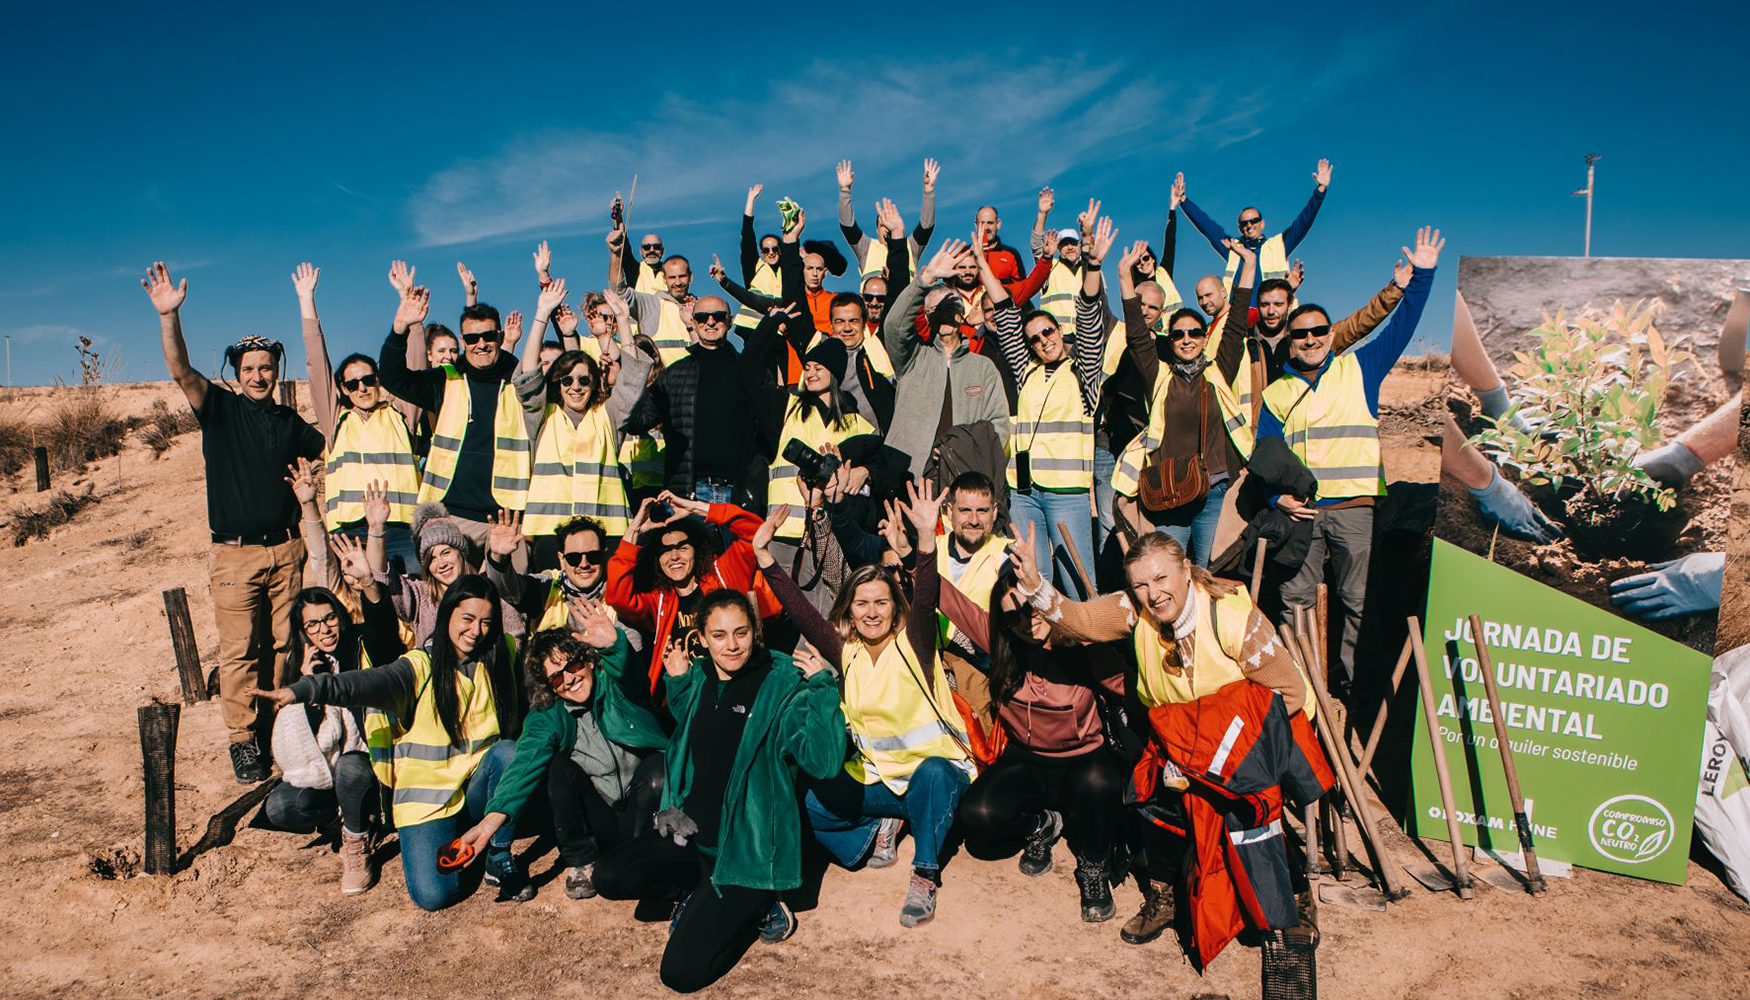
(166, 297)
(376, 504)
(762, 539)
(513, 329)
(543, 259)
(617, 235)
(846, 175)
(887, 215)
(1177, 197)
(1025, 559)
(976, 245)
(1322, 175)
(349, 552)
(1085, 219)
(415, 303)
(1297, 274)
(505, 534)
(1246, 253)
(893, 530)
(565, 320)
(302, 480)
(1127, 260)
(1427, 252)
(1101, 244)
(945, 262)
(932, 170)
(752, 193)
(923, 507)
(401, 276)
(304, 280)
(622, 313)
(1047, 198)
(594, 625)
(550, 299)
(470, 287)
(684, 506)
(675, 658)
(716, 270)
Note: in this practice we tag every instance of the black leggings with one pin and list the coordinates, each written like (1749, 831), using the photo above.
(1166, 855)
(584, 823)
(719, 923)
(306, 810)
(1006, 802)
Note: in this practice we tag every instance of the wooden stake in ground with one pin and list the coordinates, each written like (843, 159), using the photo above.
(158, 722)
(1437, 747)
(1330, 806)
(42, 468)
(188, 655)
(1520, 820)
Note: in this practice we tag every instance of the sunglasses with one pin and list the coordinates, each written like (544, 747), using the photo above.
(718, 316)
(575, 559)
(352, 384)
(650, 246)
(875, 300)
(570, 380)
(490, 336)
(1309, 331)
(772, 248)
(322, 624)
(576, 666)
(1195, 333)
(1252, 221)
(1039, 337)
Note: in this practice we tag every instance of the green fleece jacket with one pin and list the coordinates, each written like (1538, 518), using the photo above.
(550, 733)
(796, 723)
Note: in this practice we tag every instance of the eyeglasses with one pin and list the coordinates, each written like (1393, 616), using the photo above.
(322, 624)
(352, 384)
(570, 380)
(1254, 220)
(490, 336)
(718, 316)
(1039, 337)
(576, 666)
(1309, 331)
(650, 246)
(595, 557)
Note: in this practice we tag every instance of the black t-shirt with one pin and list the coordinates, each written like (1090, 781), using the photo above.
(470, 493)
(723, 418)
(715, 736)
(686, 621)
(247, 447)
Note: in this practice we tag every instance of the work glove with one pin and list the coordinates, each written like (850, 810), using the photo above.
(1683, 586)
(1501, 503)
(1672, 464)
(676, 825)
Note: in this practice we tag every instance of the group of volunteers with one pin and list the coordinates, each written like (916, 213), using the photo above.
(701, 581)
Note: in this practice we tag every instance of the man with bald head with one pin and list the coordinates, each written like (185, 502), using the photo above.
(642, 262)
(663, 315)
(704, 403)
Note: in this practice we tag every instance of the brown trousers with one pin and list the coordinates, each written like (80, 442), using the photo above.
(252, 588)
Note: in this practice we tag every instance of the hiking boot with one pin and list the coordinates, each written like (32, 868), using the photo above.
(920, 901)
(1097, 905)
(886, 849)
(1155, 916)
(779, 924)
(1036, 856)
(355, 863)
(247, 763)
(513, 883)
(580, 881)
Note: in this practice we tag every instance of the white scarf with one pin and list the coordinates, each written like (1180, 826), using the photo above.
(306, 759)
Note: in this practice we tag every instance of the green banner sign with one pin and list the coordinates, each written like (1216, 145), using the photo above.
(1604, 718)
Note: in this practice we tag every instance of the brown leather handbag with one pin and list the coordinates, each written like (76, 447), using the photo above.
(1167, 483)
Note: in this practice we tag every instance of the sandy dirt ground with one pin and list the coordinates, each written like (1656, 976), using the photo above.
(262, 916)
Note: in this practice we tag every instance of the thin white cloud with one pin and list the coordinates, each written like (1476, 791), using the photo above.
(47, 332)
(997, 128)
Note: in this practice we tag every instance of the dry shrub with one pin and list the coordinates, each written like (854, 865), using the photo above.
(84, 428)
(15, 444)
(60, 509)
(164, 425)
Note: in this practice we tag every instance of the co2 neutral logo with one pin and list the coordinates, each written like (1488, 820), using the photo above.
(1631, 829)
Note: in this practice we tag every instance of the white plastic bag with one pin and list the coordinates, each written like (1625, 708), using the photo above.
(1722, 802)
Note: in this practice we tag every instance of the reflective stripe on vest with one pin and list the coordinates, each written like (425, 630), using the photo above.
(1058, 298)
(1331, 430)
(510, 452)
(782, 489)
(427, 773)
(894, 723)
(1053, 426)
(1235, 419)
(641, 460)
(766, 281)
(1272, 263)
(975, 581)
(672, 338)
(576, 472)
(369, 447)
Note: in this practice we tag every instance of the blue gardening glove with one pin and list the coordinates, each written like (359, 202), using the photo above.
(1683, 586)
(1671, 464)
(1502, 503)
(676, 825)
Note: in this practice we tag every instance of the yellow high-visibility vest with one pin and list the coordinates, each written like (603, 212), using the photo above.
(897, 718)
(875, 258)
(1331, 430)
(427, 773)
(1235, 419)
(672, 338)
(1272, 263)
(510, 451)
(642, 465)
(576, 471)
(1058, 298)
(650, 279)
(1217, 642)
(782, 489)
(871, 348)
(766, 281)
(369, 447)
(1053, 426)
(1171, 299)
(975, 581)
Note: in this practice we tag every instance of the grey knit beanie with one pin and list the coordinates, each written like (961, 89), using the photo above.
(432, 526)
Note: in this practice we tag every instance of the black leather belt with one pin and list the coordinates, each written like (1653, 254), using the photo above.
(270, 538)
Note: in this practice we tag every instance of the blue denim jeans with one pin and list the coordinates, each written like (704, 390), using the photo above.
(431, 887)
(1050, 545)
(844, 813)
(1193, 525)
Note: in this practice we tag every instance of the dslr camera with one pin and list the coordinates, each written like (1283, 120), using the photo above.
(816, 469)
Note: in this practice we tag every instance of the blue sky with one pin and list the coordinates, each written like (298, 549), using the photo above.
(236, 143)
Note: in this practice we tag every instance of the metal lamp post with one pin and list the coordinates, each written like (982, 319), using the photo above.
(1586, 192)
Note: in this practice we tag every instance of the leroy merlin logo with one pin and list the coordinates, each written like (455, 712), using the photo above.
(1631, 829)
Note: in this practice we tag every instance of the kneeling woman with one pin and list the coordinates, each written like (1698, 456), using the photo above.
(320, 751)
(913, 761)
(730, 833)
(450, 715)
(597, 753)
(1058, 756)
